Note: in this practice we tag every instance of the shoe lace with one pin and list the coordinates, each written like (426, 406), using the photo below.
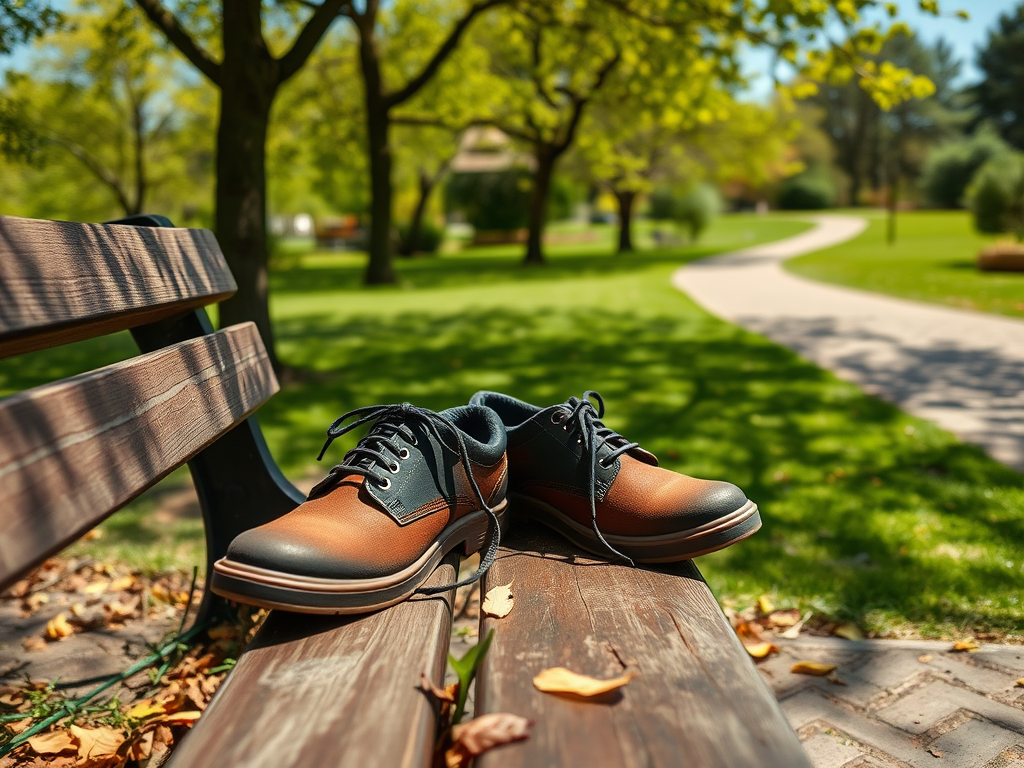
(380, 450)
(585, 419)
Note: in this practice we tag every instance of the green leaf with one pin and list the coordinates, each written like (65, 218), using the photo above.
(466, 668)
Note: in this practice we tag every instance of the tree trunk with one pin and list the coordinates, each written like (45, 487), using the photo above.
(626, 200)
(539, 204)
(379, 267)
(247, 90)
(412, 240)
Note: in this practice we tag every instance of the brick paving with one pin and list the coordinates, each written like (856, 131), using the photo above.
(904, 703)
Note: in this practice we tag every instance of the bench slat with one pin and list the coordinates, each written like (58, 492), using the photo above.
(322, 692)
(698, 699)
(62, 281)
(76, 450)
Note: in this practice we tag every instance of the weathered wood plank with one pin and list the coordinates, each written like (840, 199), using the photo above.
(698, 700)
(323, 692)
(62, 281)
(74, 451)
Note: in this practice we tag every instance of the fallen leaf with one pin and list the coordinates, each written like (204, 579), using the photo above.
(146, 708)
(966, 645)
(95, 743)
(483, 733)
(122, 584)
(749, 630)
(925, 658)
(33, 643)
(141, 746)
(92, 535)
(222, 631)
(761, 650)
(441, 694)
(178, 718)
(788, 618)
(33, 603)
(498, 601)
(53, 743)
(812, 668)
(794, 632)
(850, 631)
(934, 752)
(835, 680)
(118, 612)
(562, 680)
(58, 627)
(765, 605)
(1020, 683)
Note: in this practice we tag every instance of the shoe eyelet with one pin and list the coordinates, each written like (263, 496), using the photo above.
(404, 454)
(558, 417)
(394, 469)
(384, 484)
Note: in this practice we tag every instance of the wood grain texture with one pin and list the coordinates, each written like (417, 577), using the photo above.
(76, 450)
(331, 691)
(697, 701)
(62, 281)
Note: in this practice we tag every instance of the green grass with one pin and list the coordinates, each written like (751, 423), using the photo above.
(869, 514)
(933, 260)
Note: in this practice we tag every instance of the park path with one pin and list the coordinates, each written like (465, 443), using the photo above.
(962, 370)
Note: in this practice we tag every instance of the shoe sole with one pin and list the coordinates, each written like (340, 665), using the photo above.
(277, 590)
(667, 548)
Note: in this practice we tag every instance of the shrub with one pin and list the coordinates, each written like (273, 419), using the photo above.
(811, 190)
(498, 200)
(662, 204)
(996, 195)
(951, 167)
(696, 209)
(431, 237)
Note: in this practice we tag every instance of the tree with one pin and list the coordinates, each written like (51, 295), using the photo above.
(424, 156)
(99, 98)
(248, 77)
(999, 96)
(112, 132)
(26, 20)
(882, 143)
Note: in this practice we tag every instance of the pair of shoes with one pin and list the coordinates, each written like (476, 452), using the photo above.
(421, 483)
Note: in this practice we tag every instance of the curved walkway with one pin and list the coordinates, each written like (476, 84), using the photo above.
(963, 370)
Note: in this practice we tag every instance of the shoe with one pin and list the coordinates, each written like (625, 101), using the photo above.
(369, 535)
(608, 495)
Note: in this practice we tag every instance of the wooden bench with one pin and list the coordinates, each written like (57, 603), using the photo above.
(327, 691)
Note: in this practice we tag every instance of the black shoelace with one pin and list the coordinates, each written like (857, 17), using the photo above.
(586, 419)
(378, 454)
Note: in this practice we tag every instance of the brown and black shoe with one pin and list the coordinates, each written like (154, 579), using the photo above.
(608, 495)
(415, 487)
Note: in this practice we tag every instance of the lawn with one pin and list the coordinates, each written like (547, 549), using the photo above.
(933, 260)
(869, 514)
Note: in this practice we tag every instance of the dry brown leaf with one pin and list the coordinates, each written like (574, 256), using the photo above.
(835, 680)
(222, 632)
(441, 694)
(749, 631)
(562, 680)
(178, 718)
(53, 743)
(925, 658)
(765, 605)
(966, 645)
(33, 643)
(498, 601)
(58, 627)
(118, 612)
(96, 588)
(122, 584)
(141, 746)
(850, 631)
(761, 650)
(33, 603)
(812, 668)
(95, 743)
(92, 535)
(784, 618)
(794, 632)
(483, 733)
(934, 752)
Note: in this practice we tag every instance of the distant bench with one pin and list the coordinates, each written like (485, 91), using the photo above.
(326, 691)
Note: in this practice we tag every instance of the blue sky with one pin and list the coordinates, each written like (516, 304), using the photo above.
(965, 36)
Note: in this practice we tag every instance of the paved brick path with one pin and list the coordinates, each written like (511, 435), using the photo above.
(958, 368)
(905, 703)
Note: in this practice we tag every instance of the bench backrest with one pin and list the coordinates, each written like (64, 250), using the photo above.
(76, 450)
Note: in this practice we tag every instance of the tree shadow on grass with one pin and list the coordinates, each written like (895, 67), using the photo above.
(868, 514)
